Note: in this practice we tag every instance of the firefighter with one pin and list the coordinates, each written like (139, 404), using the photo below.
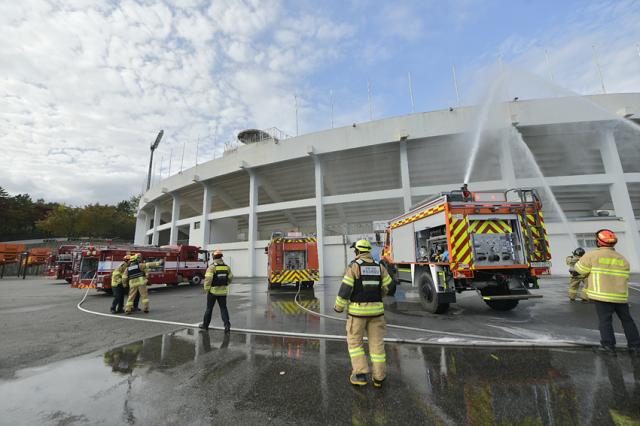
(117, 286)
(575, 280)
(216, 284)
(136, 274)
(608, 287)
(364, 284)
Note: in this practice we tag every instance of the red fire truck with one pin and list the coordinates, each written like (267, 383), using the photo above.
(181, 264)
(292, 259)
(492, 242)
(61, 263)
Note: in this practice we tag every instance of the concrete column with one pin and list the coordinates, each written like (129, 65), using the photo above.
(175, 211)
(142, 225)
(620, 197)
(206, 209)
(156, 223)
(319, 212)
(404, 175)
(253, 221)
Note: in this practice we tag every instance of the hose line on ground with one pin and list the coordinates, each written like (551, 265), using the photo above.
(526, 342)
(506, 343)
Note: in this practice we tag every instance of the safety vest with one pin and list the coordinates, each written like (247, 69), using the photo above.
(134, 271)
(608, 275)
(368, 287)
(219, 274)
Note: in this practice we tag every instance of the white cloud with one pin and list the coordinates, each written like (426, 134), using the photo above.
(86, 85)
(611, 26)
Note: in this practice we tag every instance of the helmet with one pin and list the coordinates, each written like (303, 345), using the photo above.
(217, 254)
(606, 238)
(363, 246)
(126, 258)
(578, 252)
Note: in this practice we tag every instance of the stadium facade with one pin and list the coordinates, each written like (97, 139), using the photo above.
(336, 183)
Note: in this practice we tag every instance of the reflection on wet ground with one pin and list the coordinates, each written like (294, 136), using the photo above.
(191, 377)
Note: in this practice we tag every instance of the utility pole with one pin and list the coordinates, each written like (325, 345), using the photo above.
(455, 83)
(369, 97)
(184, 144)
(331, 102)
(153, 147)
(595, 57)
(546, 55)
(295, 100)
(413, 104)
(197, 147)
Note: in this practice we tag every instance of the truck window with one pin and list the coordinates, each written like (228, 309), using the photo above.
(88, 267)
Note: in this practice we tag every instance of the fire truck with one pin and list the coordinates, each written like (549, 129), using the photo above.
(292, 259)
(61, 263)
(181, 264)
(492, 242)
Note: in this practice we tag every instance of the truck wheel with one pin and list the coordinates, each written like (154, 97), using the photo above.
(502, 305)
(429, 296)
(196, 280)
(273, 285)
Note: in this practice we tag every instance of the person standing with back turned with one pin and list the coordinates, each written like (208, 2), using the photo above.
(364, 284)
(216, 284)
(608, 287)
(136, 274)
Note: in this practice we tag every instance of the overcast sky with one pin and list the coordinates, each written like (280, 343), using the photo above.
(86, 85)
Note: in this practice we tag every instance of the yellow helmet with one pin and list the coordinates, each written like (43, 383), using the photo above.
(362, 246)
(217, 254)
(126, 258)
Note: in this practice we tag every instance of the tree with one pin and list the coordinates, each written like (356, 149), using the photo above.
(21, 218)
(60, 222)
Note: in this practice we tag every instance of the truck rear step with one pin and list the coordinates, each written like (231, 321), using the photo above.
(513, 297)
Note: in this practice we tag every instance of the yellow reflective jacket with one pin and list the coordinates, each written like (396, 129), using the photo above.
(136, 282)
(217, 265)
(608, 275)
(363, 309)
(571, 262)
(116, 275)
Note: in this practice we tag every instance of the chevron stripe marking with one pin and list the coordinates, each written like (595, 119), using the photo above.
(418, 216)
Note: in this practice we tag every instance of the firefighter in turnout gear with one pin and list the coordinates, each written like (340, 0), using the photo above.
(575, 279)
(364, 284)
(117, 286)
(607, 272)
(136, 274)
(216, 284)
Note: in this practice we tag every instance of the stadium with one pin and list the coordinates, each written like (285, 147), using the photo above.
(339, 182)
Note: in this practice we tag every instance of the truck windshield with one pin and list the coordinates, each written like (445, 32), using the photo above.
(88, 267)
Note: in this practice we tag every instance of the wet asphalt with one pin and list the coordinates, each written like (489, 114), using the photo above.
(59, 365)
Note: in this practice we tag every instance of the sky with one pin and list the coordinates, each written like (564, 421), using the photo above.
(86, 85)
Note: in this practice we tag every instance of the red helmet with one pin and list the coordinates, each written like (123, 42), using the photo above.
(606, 238)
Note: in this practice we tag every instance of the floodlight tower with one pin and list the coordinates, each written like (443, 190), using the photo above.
(153, 148)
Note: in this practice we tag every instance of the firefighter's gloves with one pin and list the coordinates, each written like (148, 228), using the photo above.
(338, 310)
